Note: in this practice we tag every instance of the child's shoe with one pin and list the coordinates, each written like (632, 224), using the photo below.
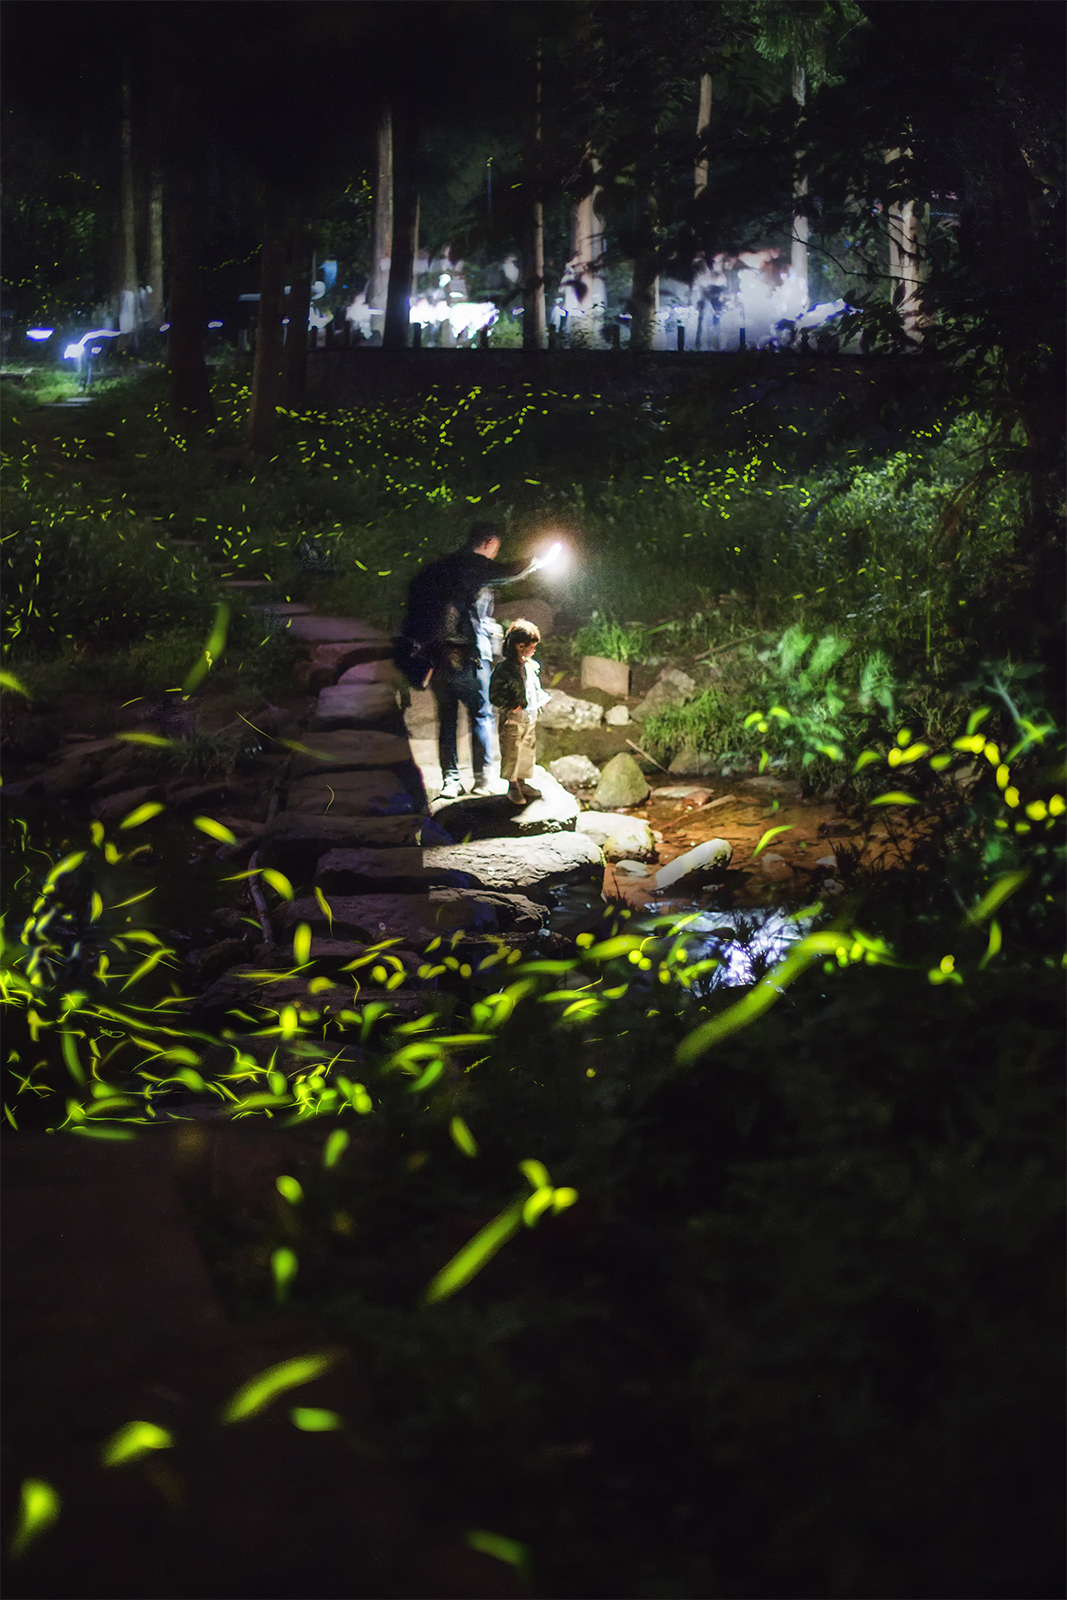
(526, 791)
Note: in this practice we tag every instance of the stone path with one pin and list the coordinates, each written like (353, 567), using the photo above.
(361, 827)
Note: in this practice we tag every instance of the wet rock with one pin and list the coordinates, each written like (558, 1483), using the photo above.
(672, 688)
(690, 762)
(622, 783)
(632, 869)
(349, 750)
(416, 919)
(352, 794)
(565, 711)
(774, 868)
(116, 806)
(371, 672)
(713, 856)
(611, 677)
(529, 865)
(80, 766)
(185, 796)
(828, 863)
(617, 716)
(575, 772)
(355, 705)
(295, 842)
(765, 784)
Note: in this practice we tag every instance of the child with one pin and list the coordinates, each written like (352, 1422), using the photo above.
(515, 689)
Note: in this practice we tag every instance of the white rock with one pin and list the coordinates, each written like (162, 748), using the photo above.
(829, 862)
(617, 716)
(565, 711)
(703, 858)
(633, 869)
(611, 677)
(575, 772)
(775, 867)
(631, 840)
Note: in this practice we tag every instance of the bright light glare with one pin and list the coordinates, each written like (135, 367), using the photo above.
(74, 352)
(465, 316)
(165, 327)
(39, 333)
(554, 556)
(219, 324)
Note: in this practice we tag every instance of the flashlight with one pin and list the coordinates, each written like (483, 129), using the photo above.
(551, 555)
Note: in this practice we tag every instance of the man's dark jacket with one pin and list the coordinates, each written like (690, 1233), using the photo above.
(442, 623)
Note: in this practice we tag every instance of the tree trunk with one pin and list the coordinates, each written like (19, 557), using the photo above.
(128, 318)
(190, 390)
(908, 227)
(585, 297)
(405, 230)
(644, 291)
(700, 176)
(295, 358)
(266, 368)
(155, 299)
(800, 189)
(382, 238)
(533, 243)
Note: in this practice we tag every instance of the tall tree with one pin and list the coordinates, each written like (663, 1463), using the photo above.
(405, 225)
(155, 297)
(295, 359)
(128, 317)
(266, 367)
(382, 236)
(533, 242)
(700, 175)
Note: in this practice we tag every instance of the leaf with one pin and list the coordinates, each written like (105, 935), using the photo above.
(133, 1441)
(142, 814)
(772, 833)
(258, 1393)
(39, 1506)
(469, 1261)
(214, 830)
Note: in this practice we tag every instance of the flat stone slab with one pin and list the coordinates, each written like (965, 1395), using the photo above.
(287, 608)
(401, 871)
(417, 919)
(333, 630)
(348, 750)
(494, 816)
(296, 841)
(521, 866)
(352, 794)
(371, 672)
(355, 705)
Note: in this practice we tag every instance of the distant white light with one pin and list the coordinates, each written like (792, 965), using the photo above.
(285, 322)
(72, 352)
(95, 349)
(445, 278)
(214, 324)
(465, 316)
(39, 333)
(164, 327)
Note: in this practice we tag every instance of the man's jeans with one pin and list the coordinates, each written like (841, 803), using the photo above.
(468, 686)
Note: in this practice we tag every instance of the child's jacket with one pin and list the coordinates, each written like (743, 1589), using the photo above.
(509, 683)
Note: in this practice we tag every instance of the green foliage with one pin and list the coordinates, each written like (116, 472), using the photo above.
(603, 636)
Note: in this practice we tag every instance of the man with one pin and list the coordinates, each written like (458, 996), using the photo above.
(449, 631)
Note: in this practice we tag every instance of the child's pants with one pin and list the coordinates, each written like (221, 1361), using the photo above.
(518, 746)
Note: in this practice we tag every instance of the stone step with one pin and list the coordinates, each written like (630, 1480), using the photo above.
(528, 865)
(334, 630)
(372, 672)
(348, 751)
(402, 871)
(417, 919)
(287, 608)
(295, 842)
(494, 816)
(356, 705)
(352, 794)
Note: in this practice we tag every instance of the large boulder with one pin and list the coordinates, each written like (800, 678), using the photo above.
(352, 794)
(494, 816)
(575, 772)
(618, 837)
(349, 749)
(296, 841)
(530, 865)
(703, 861)
(565, 711)
(672, 688)
(622, 783)
(417, 919)
(783, 788)
(398, 871)
(611, 677)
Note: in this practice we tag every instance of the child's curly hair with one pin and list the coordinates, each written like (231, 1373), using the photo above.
(521, 631)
